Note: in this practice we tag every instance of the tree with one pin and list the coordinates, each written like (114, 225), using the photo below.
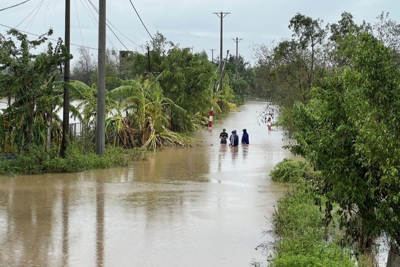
(186, 79)
(137, 112)
(85, 67)
(27, 80)
(293, 66)
(349, 131)
(241, 77)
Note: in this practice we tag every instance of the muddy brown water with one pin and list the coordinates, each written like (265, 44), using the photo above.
(202, 206)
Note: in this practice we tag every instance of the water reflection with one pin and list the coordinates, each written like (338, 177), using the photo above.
(201, 206)
(65, 224)
(100, 223)
(245, 149)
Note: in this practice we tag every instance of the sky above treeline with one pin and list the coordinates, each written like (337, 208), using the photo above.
(188, 23)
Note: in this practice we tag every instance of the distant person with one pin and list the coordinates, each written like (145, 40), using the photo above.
(269, 124)
(234, 139)
(245, 137)
(223, 136)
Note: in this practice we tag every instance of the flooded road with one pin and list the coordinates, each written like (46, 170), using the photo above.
(202, 206)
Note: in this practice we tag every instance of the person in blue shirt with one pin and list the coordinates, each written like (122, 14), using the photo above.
(234, 139)
(245, 137)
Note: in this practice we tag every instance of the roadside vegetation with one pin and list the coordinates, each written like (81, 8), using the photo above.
(153, 100)
(337, 87)
(302, 237)
(36, 160)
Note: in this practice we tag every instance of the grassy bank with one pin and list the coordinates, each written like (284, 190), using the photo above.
(79, 158)
(301, 237)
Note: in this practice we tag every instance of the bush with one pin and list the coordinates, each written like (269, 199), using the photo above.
(31, 162)
(321, 254)
(290, 171)
(36, 160)
(298, 216)
(302, 235)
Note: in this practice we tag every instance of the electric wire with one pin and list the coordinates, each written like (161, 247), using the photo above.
(36, 13)
(14, 5)
(109, 22)
(108, 26)
(79, 22)
(137, 13)
(49, 38)
(36, 8)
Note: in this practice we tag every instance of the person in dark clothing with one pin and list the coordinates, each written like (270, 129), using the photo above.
(245, 137)
(234, 139)
(223, 136)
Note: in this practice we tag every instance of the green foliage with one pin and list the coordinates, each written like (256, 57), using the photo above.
(36, 160)
(338, 90)
(349, 131)
(27, 82)
(241, 77)
(137, 113)
(186, 79)
(290, 171)
(302, 236)
(298, 215)
(320, 255)
(287, 71)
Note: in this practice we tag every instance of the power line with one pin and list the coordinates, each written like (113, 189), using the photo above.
(87, 6)
(39, 35)
(79, 22)
(14, 5)
(36, 8)
(108, 26)
(141, 20)
(88, 3)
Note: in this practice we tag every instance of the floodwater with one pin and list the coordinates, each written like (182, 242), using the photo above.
(202, 206)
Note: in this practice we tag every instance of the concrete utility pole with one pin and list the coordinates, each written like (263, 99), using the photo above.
(64, 141)
(237, 40)
(212, 55)
(101, 81)
(221, 15)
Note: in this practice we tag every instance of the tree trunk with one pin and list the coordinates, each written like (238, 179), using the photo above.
(393, 256)
(368, 257)
(48, 136)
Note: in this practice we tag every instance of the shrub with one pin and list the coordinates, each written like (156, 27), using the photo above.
(36, 160)
(290, 171)
(302, 235)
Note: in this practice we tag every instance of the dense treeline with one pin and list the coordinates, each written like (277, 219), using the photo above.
(152, 98)
(338, 89)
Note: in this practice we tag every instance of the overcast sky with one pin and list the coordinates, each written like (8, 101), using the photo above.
(189, 23)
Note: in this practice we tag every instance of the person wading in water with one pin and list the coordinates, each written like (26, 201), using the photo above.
(223, 136)
(234, 139)
(245, 137)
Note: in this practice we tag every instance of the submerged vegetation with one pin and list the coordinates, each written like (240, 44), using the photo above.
(302, 236)
(36, 160)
